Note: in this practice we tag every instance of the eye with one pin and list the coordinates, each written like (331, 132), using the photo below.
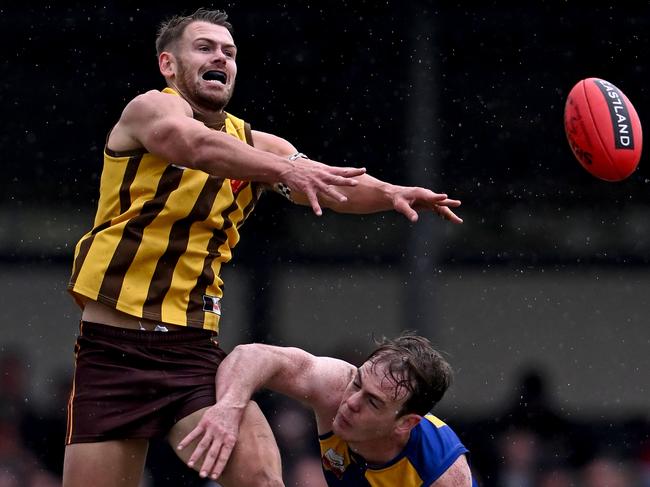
(229, 54)
(204, 48)
(356, 385)
(373, 403)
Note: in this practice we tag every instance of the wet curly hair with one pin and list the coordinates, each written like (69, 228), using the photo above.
(412, 364)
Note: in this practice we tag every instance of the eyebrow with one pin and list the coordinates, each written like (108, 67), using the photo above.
(210, 41)
(373, 396)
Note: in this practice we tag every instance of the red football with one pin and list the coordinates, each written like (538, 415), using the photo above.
(603, 129)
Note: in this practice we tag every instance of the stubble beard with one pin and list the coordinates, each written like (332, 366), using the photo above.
(210, 102)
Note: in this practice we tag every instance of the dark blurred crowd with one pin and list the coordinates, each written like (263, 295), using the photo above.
(528, 444)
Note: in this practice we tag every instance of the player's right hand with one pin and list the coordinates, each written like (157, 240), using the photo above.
(316, 180)
(218, 431)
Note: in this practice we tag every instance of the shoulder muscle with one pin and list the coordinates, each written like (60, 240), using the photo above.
(141, 113)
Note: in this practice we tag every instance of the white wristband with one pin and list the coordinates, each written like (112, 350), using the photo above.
(297, 155)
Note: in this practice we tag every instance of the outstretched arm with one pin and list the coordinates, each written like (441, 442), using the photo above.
(369, 195)
(372, 195)
(163, 124)
(318, 382)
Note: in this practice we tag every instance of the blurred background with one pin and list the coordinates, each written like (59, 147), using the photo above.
(540, 299)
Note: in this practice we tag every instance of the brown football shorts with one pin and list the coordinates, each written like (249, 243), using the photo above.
(138, 384)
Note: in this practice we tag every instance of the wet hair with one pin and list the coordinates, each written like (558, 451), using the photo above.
(172, 29)
(412, 364)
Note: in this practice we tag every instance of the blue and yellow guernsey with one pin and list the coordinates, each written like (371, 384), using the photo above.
(432, 448)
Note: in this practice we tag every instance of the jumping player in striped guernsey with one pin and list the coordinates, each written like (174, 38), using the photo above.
(375, 423)
(180, 176)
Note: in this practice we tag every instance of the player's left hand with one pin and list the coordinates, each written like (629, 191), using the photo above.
(218, 431)
(411, 200)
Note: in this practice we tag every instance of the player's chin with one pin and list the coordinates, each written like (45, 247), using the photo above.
(340, 426)
(216, 101)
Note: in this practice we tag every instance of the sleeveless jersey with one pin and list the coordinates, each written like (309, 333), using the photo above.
(432, 448)
(160, 236)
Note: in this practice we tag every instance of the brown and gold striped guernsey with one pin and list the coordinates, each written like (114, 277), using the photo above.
(160, 236)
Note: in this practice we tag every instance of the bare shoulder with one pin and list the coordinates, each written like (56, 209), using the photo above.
(457, 475)
(272, 143)
(140, 114)
(156, 102)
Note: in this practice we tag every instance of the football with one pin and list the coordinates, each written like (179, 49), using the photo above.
(603, 129)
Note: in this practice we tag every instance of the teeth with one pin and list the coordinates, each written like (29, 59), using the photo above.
(215, 75)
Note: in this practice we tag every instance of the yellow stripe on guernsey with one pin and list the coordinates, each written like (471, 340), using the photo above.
(344, 470)
(160, 236)
(402, 473)
(336, 458)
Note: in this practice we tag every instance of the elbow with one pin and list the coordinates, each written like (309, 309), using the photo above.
(246, 349)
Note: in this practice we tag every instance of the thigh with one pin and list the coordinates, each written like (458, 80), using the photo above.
(255, 460)
(104, 464)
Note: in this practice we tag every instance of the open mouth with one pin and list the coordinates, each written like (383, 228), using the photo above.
(218, 76)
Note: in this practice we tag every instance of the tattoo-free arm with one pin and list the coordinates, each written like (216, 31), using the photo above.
(369, 195)
(163, 124)
(317, 382)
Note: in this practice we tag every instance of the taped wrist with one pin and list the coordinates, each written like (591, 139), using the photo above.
(297, 155)
(282, 188)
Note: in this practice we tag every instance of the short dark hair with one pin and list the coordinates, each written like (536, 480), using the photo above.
(172, 29)
(413, 364)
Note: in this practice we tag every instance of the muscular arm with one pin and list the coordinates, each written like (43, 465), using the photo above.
(317, 382)
(163, 124)
(314, 381)
(370, 195)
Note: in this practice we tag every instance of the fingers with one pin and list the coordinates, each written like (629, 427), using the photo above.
(217, 457)
(222, 459)
(194, 434)
(403, 207)
(209, 461)
(313, 202)
(334, 194)
(443, 208)
(199, 451)
(340, 181)
(447, 214)
(348, 172)
(449, 202)
(215, 454)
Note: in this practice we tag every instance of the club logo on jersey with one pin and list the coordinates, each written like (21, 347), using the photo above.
(212, 304)
(236, 185)
(334, 462)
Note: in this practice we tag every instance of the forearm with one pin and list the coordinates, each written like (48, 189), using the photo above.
(370, 195)
(247, 369)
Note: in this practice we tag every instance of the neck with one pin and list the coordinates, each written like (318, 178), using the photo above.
(381, 450)
(210, 117)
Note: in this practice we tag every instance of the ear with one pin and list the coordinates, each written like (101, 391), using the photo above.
(407, 422)
(167, 64)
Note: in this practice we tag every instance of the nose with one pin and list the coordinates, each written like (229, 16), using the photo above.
(219, 56)
(353, 402)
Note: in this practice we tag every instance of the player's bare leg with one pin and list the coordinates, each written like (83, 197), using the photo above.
(105, 464)
(255, 460)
